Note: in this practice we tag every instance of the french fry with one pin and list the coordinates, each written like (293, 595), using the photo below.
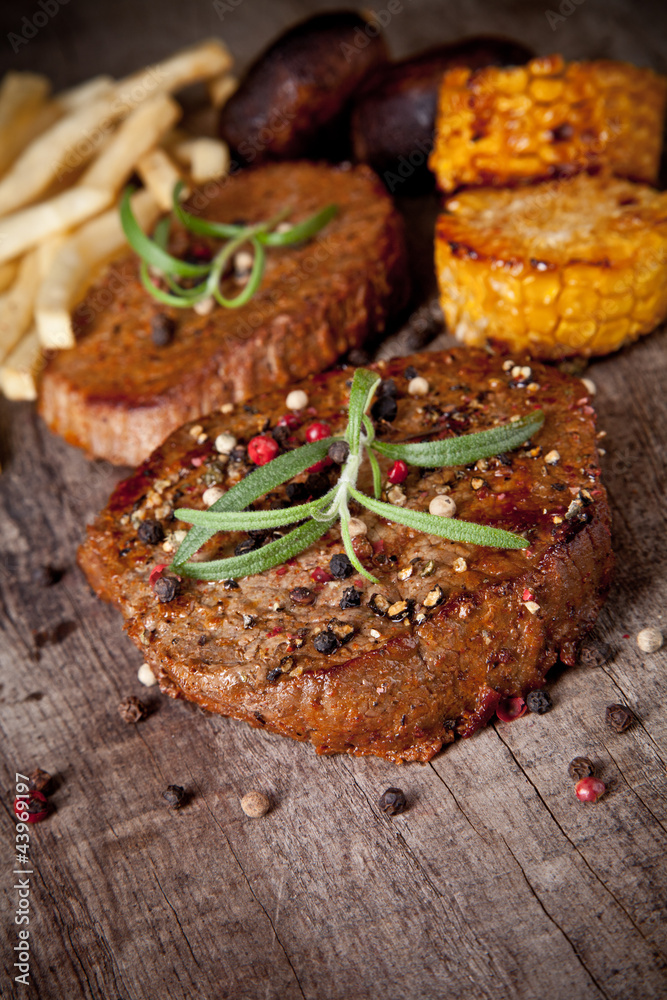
(30, 226)
(22, 98)
(83, 93)
(73, 263)
(19, 370)
(17, 304)
(198, 62)
(8, 272)
(72, 141)
(221, 88)
(207, 158)
(159, 174)
(140, 131)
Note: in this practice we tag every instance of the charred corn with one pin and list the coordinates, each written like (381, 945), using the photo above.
(548, 118)
(575, 266)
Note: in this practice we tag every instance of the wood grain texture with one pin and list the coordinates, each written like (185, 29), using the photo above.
(496, 883)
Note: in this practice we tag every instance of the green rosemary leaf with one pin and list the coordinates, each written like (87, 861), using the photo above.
(264, 479)
(467, 448)
(150, 251)
(301, 230)
(260, 560)
(351, 554)
(253, 283)
(161, 231)
(250, 520)
(377, 475)
(364, 385)
(443, 527)
(180, 301)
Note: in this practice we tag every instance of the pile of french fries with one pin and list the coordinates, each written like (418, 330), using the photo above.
(64, 160)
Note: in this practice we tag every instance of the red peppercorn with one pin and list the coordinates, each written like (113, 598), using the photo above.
(511, 708)
(290, 420)
(262, 449)
(31, 808)
(317, 432)
(590, 789)
(156, 572)
(398, 472)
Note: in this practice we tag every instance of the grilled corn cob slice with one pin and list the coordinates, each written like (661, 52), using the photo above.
(548, 118)
(576, 266)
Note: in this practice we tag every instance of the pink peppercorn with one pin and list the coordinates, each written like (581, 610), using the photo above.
(290, 420)
(590, 789)
(318, 432)
(510, 709)
(31, 808)
(262, 449)
(398, 472)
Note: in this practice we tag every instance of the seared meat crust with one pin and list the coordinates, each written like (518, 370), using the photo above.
(397, 689)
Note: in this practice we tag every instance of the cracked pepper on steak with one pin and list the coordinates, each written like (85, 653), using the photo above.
(396, 689)
(118, 395)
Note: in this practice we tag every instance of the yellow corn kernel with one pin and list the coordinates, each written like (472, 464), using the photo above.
(558, 268)
(565, 116)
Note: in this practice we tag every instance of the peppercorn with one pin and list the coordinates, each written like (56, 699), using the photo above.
(339, 452)
(230, 585)
(379, 605)
(175, 795)
(398, 472)
(650, 639)
(581, 767)
(594, 653)
(351, 599)
(151, 532)
(317, 432)
(619, 717)
(387, 387)
(589, 789)
(392, 802)
(40, 781)
(274, 674)
(238, 453)
(132, 710)
(302, 595)
(255, 804)
(410, 373)
(262, 449)
(400, 610)
(343, 631)
(325, 642)
(162, 330)
(384, 408)
(539, 701)
(434, 597)
(166, 589)
(340, 566)
(33, 805)
(247, 545)
(46, 576)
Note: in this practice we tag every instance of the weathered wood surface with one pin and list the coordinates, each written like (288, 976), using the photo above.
(497, 882)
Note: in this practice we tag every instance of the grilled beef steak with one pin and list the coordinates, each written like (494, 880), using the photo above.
(450, 629)
(140, 369)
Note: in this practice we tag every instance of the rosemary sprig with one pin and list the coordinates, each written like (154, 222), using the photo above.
(230, 513)
(153, 252)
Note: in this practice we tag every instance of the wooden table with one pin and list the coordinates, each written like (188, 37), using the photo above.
(496, 883)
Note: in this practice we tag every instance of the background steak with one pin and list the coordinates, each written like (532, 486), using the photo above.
(399, 690)
(118, 395)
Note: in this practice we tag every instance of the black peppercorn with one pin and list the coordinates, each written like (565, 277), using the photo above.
(238, 454)
(302, 595)
(338, 452)
(384, 408)
(392, 802)
(539, 701)
(581, 767)
(175, 795)
(340, 566)
(230, 585)
(274, 675)
(247, 545)
(166, 589)
(351, 599)
(325, 642)
(619, 717)
(387, 388)
(594, 653)
(151, 532)
(410, 373)
(132, 710)
(162, 330)
(46, 576)
(40, 781)
(379, 605)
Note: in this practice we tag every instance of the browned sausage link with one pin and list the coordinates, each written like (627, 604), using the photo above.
(291, 100)
(393, 115)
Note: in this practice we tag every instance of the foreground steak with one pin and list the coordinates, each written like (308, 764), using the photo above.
(118, 395)
(400, 688)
